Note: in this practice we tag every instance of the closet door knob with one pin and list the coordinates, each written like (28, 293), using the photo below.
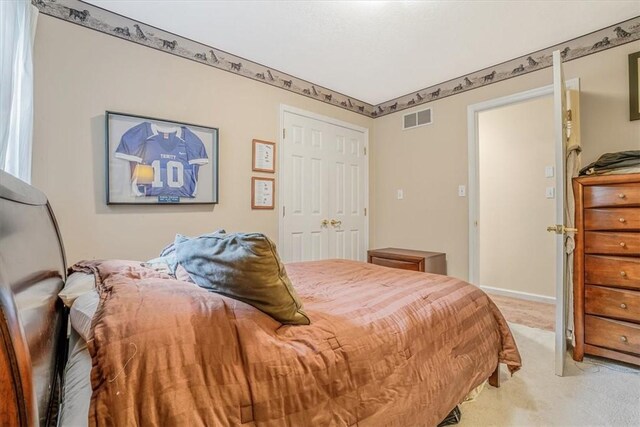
(623, 306)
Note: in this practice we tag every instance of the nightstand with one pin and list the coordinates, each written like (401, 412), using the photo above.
(407, 259)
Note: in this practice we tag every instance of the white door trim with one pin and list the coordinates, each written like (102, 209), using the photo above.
(474, 179)
(280, 186)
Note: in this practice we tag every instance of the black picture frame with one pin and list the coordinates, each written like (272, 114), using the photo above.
(202, 183)
(634, 86)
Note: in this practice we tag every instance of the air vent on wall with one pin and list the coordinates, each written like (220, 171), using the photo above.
(417, 118)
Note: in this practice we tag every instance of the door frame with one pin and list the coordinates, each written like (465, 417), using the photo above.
(474, 178)
(281, 165)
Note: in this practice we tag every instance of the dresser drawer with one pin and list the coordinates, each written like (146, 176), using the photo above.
(612, 219)
(394, 263)
(611, 195)
(618, 303)
(612, 243)
(621, 272)
(612, 334)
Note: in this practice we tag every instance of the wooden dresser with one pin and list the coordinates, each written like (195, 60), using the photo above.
(408, 259)
(607, 267)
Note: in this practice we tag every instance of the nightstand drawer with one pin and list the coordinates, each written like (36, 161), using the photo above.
(612, 334)
(394, 263)
(610, 302)
(409, 259)
(621, 272)
(612, 243)
(611, 195)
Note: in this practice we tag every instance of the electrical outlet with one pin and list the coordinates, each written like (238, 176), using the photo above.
(400, 194)
(462, 191)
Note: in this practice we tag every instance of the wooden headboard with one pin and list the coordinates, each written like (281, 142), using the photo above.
(32, 319)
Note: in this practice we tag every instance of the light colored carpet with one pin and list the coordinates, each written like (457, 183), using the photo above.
(593, 393)
(539, 315)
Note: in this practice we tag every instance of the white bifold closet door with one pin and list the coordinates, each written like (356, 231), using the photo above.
(323, 172)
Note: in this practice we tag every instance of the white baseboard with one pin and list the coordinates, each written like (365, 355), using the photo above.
(518, 294)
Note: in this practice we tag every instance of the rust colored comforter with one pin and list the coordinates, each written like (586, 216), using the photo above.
(385, 347)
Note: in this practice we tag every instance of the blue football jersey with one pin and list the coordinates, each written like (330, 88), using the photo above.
(174, 156)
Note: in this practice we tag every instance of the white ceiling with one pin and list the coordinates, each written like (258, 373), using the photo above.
(376, 51)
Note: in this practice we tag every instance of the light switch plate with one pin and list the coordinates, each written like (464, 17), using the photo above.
(550, 192)
(400, 194)
(548, 171)
(462, 191)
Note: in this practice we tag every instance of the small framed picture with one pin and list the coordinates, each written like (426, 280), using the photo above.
(157, 161)
(634, 86)
(262, 193)
(264, 156)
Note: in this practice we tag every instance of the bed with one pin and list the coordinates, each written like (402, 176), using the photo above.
(385, 347)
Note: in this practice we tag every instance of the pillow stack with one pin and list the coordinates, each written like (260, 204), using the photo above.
(243, 266)
(80, 295)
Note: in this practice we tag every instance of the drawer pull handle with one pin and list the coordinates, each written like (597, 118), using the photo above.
(623, 244)
(623, 273)
(623, 338)
(621, 195)
(622, 220)
(623, 306)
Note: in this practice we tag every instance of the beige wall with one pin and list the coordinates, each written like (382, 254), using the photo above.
(431, 161)
(80, 73)
(515, 144)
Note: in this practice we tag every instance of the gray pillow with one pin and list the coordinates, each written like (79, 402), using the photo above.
(168, 254)
(245, 267)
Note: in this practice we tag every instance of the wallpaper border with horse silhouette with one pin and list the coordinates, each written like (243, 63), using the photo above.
(96, 18)
(597, 41)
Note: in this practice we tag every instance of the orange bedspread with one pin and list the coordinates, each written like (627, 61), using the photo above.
(385, 347)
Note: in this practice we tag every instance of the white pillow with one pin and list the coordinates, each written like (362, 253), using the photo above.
(77, 284)
(82, 312)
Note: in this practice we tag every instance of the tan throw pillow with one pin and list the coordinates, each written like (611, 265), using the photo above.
(82, 312)
(77, 284)
(245, 267)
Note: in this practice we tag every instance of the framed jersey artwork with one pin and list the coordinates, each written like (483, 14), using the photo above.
(157, 161)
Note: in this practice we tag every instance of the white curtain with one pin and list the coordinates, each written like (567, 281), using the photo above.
(573, 165)
(17, 31)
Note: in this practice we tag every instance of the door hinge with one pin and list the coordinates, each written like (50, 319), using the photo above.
(283, 211)
(284, 133)
(365, 151)
(365, 211)
(569, 115)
